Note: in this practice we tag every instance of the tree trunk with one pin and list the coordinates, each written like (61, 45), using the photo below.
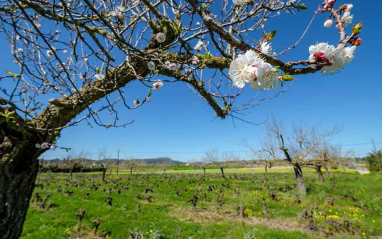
(71, 173)
(331, 172)
(320, 175)
(131, 171)
(326, 171)
(204, 171)
(300, 179)
(18, 171)
(222, 170)
(266, 168)
(104, 174)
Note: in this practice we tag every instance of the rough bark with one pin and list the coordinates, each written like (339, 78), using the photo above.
(300, 179)
(18, 170)
(204, 171)
(297, 170)
(320, 175)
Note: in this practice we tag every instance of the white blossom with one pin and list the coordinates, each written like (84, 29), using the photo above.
(157, 85)
(20, 50)
(151, 66)
(53, 146)
(136, 102)
(148, 99)
(348, 54)
(290, 2)
(99, 76)
(38, 146)
(347, 19)
(195, 60)
(251, 69)
(251, 58)
(169, 65)
(348, 7)
(334, 58)
(119, 12)
(199, 45)
(235, 71)
(49, 53)
(328, 23)
(65, 51)
(160, 37)
(248, 73)
(265, 47)
(266, 78)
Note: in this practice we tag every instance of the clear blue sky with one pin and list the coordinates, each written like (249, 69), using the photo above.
(179, 125)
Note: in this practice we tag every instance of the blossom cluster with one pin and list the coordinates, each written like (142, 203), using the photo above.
(169, 65)
(334, 58)
(119, 12)
(252, 69)
(346, 18)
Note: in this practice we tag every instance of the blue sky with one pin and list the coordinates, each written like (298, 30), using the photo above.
(179, 125)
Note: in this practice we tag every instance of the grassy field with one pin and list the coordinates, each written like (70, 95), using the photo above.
(164, 213)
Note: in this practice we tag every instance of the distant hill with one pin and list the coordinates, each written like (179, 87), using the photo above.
(162, 160)
(152, 161)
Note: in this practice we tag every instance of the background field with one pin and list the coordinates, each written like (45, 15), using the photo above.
(356, 211)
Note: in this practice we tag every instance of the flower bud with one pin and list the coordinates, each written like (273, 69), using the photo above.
(357, 42)
(328, 23)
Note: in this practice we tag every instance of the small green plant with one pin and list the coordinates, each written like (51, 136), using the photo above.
(249, 235)
(248, 212)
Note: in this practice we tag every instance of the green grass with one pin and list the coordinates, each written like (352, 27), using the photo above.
(169, 216)
(286, 169)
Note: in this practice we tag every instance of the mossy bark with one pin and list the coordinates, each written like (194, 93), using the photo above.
(18, 171)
